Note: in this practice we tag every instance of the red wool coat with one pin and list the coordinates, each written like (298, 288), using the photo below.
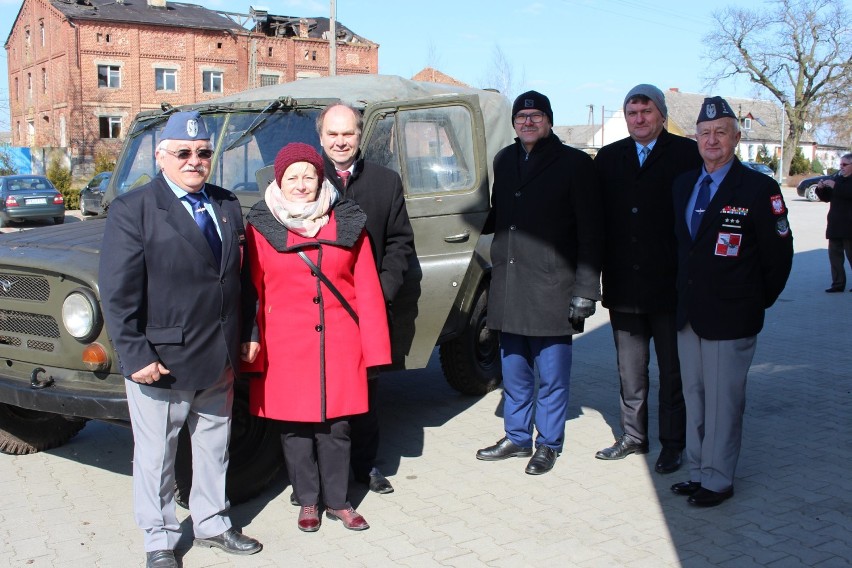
(314, 356)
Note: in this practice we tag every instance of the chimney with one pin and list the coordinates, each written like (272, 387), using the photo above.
(304, 27)
(157, 3)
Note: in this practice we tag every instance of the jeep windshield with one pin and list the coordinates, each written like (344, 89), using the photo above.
(245, 140)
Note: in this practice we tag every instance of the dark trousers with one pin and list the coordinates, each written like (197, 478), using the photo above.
(318, 453)
(365, 433)
(632, 334)
(836, 249)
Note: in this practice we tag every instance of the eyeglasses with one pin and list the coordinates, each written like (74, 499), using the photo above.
(535, 117)
(185, 153)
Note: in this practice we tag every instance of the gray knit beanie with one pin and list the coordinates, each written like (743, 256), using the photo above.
(653, 93)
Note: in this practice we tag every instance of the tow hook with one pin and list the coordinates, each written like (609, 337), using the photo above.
(36, 383)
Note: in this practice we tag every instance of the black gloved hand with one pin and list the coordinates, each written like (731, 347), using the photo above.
(579, 310)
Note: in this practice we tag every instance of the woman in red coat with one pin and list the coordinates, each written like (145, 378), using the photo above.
(313, 349)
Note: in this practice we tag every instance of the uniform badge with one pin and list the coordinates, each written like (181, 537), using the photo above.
(710, 111)
(782, 226)
(778, 205)
(192, 128)
(728, 210)
(728, 244)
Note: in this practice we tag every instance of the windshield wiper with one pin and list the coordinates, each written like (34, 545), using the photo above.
(261, 118)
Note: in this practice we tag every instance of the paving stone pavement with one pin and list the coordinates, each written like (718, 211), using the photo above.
(71, 507)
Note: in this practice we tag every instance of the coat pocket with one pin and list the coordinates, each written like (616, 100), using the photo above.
(165, 335)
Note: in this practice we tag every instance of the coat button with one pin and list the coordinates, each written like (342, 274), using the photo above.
(318, 327)
(513, 227)
(511, 261)
(635, 210)
(223, 319)
(316, 299)
(517, 194)
(635, 267)
(313, 273)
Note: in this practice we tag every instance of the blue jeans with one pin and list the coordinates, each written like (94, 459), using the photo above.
(521, 356)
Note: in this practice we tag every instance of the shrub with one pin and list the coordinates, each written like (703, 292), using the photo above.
(7, 166)
(60, 177)
(799, 164)
(104, 163)
(816, 166)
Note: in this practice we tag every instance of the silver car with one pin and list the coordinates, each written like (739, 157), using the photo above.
(29, 197)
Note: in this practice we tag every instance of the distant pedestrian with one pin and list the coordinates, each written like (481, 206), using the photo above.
(838, 231)
(639, 270)
(546, 255)
(735, 251)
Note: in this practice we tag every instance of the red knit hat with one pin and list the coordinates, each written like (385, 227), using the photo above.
(297, 152)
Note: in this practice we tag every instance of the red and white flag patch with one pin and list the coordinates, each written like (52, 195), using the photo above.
(728, 244)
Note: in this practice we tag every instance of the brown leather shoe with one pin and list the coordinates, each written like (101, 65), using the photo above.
(309, 519)
(349, 517)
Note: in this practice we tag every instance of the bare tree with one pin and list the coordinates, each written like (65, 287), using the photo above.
(798, 50)
(500, 75)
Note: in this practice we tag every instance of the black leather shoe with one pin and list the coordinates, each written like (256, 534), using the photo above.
(543, 460)
(160, 559)
(232, 542)
(706, 498)
(686, 487)
(622, 448)
(378, 483)
(669, 461)
(503, 449)
(293, 500)
(834, 290)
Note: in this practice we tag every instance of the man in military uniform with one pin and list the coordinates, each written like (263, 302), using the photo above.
(735, 252)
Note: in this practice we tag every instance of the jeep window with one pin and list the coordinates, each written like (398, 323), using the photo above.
(381, 147)
(437, 146)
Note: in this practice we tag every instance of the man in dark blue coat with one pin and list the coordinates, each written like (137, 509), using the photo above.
(170, 286)
(639, 268)
(546, 255)
(735, 252)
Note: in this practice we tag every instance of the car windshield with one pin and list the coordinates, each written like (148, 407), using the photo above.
(28, 184)
(237, 158)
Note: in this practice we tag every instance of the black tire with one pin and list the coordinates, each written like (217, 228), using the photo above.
(471, 361)
(24, 431)
(255, 454)
(58, 220)
(811, 193)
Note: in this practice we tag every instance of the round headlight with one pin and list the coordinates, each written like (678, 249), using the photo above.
(80, 316)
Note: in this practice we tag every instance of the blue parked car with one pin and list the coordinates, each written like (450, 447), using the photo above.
(29, 197)
(93, 193)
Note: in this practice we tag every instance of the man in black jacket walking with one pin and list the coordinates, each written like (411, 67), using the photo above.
(838, 231)
(639, 269)
(378, 191)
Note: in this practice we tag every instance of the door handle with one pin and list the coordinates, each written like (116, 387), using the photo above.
(460, 238)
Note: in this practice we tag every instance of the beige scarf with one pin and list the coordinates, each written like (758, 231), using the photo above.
(303, 218)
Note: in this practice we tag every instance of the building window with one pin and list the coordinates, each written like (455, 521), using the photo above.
(746, 124)
(41, 29)
(110, 126)
(269, 52)
(219, 45)
(30, 85)
(43, 80)
(211, 81)
(267, 80)
(313, 56)
(165, 79)
(27, 37)
(109, 76)
(17, 92)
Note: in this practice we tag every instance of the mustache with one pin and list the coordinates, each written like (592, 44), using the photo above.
(196, 169)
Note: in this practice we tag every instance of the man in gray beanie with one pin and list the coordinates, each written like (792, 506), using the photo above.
(639, 269)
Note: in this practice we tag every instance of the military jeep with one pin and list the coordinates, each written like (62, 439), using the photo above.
(58, 366)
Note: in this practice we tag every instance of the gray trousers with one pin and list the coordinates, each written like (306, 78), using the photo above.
(157, 415)
(714, 388)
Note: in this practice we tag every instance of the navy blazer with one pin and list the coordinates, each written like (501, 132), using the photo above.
(164, 297)
(740, 259)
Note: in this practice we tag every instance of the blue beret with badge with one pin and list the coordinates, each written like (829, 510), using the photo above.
(714, 108)
(185, 125)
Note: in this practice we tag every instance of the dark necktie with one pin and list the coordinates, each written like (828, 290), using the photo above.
(344, 177)
(701, 203)
(206, 224)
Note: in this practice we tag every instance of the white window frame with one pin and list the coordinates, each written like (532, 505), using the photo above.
(165, 73)
(112, 122)
(209, 80)
(113, 75)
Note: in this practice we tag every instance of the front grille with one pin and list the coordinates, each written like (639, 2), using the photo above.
(28, 324)
(22, 287)
(7, 340)
(40, 345)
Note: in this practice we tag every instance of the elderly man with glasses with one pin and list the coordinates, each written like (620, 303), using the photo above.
(547, 223)
(173, 251)
(838, 231)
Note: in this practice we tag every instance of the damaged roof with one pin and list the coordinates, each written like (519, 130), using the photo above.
(178, 14)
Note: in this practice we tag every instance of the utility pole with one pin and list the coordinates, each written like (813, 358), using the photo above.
(332, 40)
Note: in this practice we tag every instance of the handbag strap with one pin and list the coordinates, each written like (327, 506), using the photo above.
(324, 279)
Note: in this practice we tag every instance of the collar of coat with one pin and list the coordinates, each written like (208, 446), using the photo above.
(331, 172)
(350, 220)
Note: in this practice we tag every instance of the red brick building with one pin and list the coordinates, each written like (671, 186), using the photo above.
(80, 70)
